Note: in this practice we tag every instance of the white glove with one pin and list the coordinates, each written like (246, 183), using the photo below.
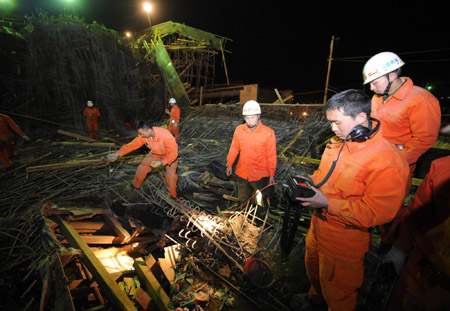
(156, 164)
(26, 138)
(112, 157)
(397, 257)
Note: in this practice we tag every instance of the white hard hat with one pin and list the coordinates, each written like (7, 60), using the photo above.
(250, 108)
(379, 65)
(89, 102)
(172, 101)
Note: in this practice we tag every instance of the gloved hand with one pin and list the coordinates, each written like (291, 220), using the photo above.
(26, 138)
(112, 157)
(156, 164)
(397, 257)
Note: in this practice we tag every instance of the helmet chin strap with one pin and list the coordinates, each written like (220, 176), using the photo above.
(387, 89)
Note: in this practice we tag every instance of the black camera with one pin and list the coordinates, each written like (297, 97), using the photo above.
(299, 188)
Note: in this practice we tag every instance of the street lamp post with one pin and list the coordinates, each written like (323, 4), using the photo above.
(148, 8)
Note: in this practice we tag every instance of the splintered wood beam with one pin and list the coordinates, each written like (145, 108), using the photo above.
(155, 289)
(62, 132)
(110, 288)
(123, 234)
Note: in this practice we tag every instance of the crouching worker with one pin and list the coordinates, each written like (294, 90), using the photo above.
(361, 177)
(163, 152)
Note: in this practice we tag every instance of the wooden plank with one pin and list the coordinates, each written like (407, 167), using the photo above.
(123, 234)
(155, 289)
(76, 136)
(86, 144)
(110, 288)
(63, 299)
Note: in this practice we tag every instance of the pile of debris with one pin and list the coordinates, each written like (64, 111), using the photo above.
(73, 237)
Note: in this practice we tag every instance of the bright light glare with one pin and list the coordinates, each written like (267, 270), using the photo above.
(208, 223)
(7, 4)
(128, 34)
(259, 198)
(147, 7)
(117, 262)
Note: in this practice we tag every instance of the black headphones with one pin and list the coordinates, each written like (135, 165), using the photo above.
(358, 134)
(361, 133)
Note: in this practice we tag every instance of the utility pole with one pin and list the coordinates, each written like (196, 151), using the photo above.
(330, 58)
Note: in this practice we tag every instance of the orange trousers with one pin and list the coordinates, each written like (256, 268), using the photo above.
(416, 290)
(92, 124)
(6, 150)
(174, 128)
(332, 279)
(145, 168)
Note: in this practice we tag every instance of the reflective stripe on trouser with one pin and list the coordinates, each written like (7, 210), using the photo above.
(332, 279)
(145, 168)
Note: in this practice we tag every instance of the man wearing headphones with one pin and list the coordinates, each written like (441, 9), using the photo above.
(368, 175)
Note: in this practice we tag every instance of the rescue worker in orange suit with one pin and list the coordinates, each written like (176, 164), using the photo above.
(92, 114)
(368, 177)
(163, 152)
(424, 282)
(255, 144)
(410, 117)
(7, 139)
(174, 125)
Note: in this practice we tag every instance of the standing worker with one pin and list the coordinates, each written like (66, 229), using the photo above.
(424, 282)
(360, 176)
(174, 113)
(92, 114)
(410, 116)
(7, 139)
(163, 152)
(255, 144)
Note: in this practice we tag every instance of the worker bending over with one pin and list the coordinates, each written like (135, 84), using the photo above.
(163, 152)
(367, 178)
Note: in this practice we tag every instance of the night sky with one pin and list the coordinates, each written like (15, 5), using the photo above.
(285, 44)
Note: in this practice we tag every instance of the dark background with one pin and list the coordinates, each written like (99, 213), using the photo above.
(286, 44)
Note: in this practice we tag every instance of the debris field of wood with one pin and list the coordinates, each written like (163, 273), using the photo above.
(75, 237)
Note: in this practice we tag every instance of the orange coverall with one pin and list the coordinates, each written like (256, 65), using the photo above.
(424, 283)
(163, 148)
(174, 125)
(257, 158)
(257, 152)
(410, 117)
(7, 139)
(92, 114)
(368, 181)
